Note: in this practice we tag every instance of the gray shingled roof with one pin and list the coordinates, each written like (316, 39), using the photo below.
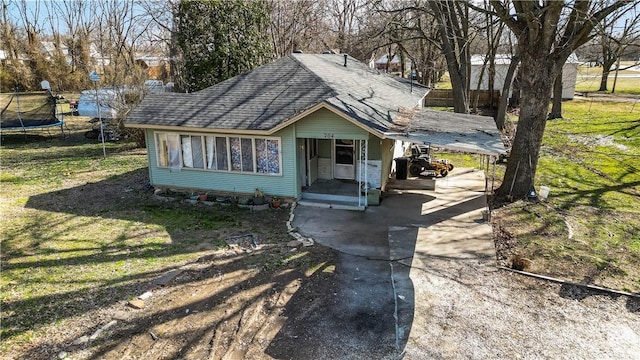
(273, 93)
(462, 132)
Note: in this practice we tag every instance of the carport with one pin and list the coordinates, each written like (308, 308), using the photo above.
(467, 133)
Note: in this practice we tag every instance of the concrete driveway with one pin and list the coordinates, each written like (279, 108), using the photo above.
(377, 249)
(416, 279)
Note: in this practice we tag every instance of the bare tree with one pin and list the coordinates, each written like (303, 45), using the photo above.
(547, 32)
(118, 32)
(29, 15)
(78, 17)
(298, 25)
(453, 20)
(615, 38)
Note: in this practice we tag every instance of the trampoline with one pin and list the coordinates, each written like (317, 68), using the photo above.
(37, 110)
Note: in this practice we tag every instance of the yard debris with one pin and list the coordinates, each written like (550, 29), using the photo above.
(63, 355)
(136, 304)
(520, 263)
(153, 336)
(244, 242)
(146, 295)
(295, 244)
(121, 315)
(81, 340)
(102, 329)
(167, 277)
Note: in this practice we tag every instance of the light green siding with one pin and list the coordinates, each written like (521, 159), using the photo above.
(374, 147)
(324, 148)
(324, 124)
(387, 157)
(282, 185)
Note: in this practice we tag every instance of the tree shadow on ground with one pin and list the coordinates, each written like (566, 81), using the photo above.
(368, 309)
(579, 292)
(123, 197)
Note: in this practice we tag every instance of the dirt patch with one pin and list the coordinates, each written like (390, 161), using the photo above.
(227, 304)
(548, 242)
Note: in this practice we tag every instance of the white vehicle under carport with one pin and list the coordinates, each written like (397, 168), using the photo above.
(101, 106)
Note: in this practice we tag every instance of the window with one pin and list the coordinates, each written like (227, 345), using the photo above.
(267, 156)
(219, 153)
(169, 150)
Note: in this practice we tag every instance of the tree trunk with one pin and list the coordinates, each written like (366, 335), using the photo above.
(537, 76)
(516, 91)
(556, 108)
(457, 56)
(606, 69)
(504, 95)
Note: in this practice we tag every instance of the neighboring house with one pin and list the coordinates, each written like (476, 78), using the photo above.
(284, 126)
(98, 59)
(49, 49)
(156, 66)
(393, 66)
(502, 62)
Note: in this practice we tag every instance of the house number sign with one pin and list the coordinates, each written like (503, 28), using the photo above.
(328, 135)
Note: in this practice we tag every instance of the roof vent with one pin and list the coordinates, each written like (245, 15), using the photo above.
(297, 51)
(345, 60)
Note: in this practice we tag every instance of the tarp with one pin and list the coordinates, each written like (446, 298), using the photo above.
(458, 132)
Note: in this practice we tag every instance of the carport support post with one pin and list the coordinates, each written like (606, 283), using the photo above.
(493, 177)
(363, 155)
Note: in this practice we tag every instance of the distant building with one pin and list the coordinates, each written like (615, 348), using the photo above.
(49, 49)
(156, 66)
(502, 62)
(393, 66)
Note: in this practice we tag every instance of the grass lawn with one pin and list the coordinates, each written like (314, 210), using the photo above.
(589, 228)
(588, 80)
(80, 232)
(591, 161)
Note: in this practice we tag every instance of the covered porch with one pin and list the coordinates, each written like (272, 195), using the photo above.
(333, 173)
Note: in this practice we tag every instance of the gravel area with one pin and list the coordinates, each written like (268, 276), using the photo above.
(470, 309)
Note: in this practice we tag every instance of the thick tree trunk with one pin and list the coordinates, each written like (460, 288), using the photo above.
(537, 77)
(556, 108)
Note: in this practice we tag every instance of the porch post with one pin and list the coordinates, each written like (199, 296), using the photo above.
(366, 172)
(359, 169)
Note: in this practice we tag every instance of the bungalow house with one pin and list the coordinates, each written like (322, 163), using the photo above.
(299, 122)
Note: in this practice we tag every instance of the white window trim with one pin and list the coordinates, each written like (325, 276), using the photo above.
(158, 135)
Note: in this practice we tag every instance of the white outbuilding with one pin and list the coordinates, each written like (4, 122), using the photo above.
(502, 62)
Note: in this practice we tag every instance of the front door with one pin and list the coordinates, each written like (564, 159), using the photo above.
(344, 167)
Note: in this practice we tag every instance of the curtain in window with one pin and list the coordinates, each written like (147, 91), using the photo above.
(236, 154)
(210, 152)
(163, 150)
(221, 153)
(273, 156)
(187, 156)
(196, 150)
(261, 156)
(247, 154)
(173, 147)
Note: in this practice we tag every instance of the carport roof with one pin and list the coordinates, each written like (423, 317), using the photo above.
(461, 132)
